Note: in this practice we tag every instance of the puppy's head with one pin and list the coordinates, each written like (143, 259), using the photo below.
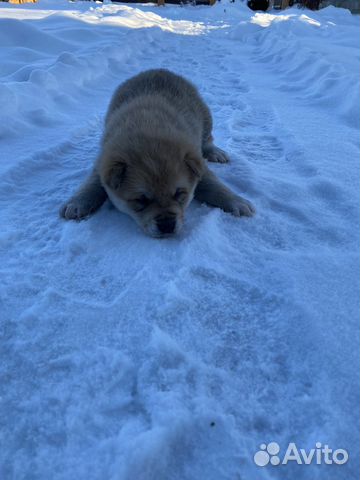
(153, 182)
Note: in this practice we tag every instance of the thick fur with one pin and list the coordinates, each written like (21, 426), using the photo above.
(152, 159)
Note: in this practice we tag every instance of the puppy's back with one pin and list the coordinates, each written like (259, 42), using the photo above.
(178, 93)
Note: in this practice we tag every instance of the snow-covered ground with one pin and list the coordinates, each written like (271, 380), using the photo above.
(129, 358)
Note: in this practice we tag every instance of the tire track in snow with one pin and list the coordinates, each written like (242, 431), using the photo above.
(257, 128)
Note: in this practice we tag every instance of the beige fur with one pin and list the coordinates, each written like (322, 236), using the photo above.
(152, 160)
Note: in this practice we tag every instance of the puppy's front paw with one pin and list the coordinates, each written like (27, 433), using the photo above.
(217, 155)
(241, 207)
(75, 210)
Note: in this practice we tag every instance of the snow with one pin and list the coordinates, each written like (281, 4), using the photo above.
(125, 357)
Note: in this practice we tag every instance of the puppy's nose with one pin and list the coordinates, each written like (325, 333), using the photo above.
(166, 224)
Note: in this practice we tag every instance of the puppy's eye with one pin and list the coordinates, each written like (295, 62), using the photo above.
(141, 203)
(180, 195)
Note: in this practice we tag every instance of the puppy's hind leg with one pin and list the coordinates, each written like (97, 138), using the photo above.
(212, 153)
(211, 191)
(89, 198)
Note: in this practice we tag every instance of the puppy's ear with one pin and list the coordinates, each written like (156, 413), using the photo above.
(195, 164)
(114, 174)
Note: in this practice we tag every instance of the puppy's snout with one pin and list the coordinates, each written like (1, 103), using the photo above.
(166, 224)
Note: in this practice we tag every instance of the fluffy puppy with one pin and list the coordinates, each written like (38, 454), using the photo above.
(153, 157)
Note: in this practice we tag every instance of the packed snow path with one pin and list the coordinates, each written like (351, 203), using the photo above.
(125, 357)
